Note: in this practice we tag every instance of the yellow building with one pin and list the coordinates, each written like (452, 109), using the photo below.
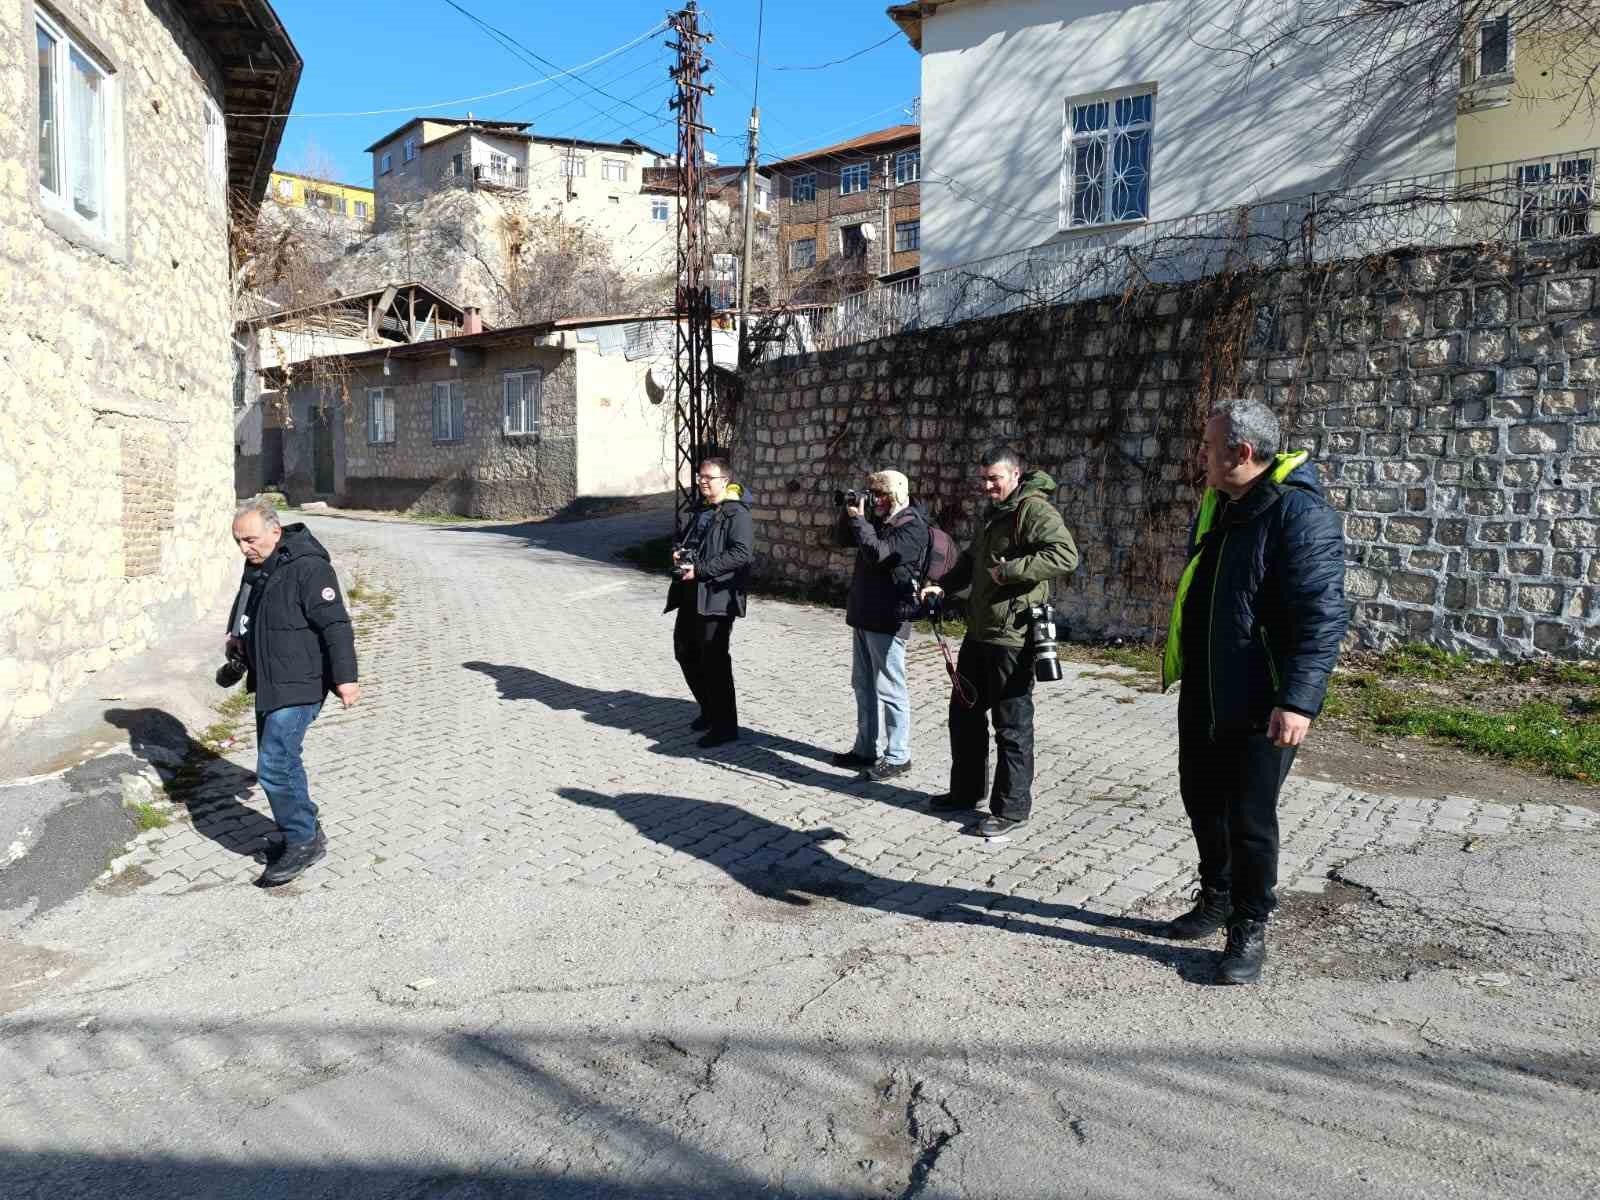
(1516, 98)
(340, 199)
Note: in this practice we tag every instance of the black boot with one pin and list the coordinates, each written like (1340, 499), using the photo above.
(296, 857)
(1209, 914)
(1245, 952)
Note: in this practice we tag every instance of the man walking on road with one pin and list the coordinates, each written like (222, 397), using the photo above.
(708, 591)
(891, 541)
(290, 630)
(1254, 635)
(1021, 545)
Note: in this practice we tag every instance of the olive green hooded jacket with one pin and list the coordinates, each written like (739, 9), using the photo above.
(1025, 536)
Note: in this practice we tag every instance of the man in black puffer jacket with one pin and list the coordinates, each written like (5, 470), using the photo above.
(1255, 633)
(290, 629)
(891, 540)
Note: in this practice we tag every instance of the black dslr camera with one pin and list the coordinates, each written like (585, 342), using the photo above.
(851, 498)
(1042, 637)
(230, 672)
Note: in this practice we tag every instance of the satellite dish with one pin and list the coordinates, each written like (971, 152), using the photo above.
(655, 383)
(869, 231)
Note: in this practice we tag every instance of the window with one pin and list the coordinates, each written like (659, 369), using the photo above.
(907, 235)
(449, 411)
(1107, 167)
(617, 200)
(854, 178)
(408, 148)
(802, 254)
(524, 390)
(386, 164)
(458, 165)
(380, 416)
(660, 210)
(499, 165)
(216, 140)
(1494, 46)
(285, 190)
(908, 166)
(762, 198)
(852, 242)
(803, 188)
(1556, 198)
(614, 169)
(361, 210)
(74, 128)
(572, 166)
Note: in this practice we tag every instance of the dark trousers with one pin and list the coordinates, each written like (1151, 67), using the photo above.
(1002, 676)
(1230, 790)
(701, 647)
(281, 771)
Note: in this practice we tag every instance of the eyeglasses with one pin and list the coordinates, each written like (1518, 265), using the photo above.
(709, 478)
(880, 495)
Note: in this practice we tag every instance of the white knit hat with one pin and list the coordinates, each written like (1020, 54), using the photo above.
(896, 484)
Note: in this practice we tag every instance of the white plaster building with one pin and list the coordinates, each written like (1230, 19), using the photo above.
(1043, 120)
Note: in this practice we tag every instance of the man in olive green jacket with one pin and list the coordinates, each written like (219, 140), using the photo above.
(1021, 545)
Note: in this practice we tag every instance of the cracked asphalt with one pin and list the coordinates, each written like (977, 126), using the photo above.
(557, 951)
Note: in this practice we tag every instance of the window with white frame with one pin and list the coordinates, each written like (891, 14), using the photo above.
(380, 416)
(908, 166)
(386, 164)
(1493, 47)
(361, 210)
(907, 235)
(614, 169)
(1556, 198)
(854, 178)
(802, 254)
(449, 411)
(285, 189)
(573, 166)
(216, 142)
(499, 165)
(524, 393)
(1106, 173)
(803, 188)
(408, 148)
(660, 210)
(763, 197)
(76, 109)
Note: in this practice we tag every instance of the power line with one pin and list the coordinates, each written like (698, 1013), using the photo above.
(756, 57)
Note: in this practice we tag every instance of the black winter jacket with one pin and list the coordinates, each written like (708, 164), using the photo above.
(721, 564)
(888, 558)
(298, 640)
(1264, 613)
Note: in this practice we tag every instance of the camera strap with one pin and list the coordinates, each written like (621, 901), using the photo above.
(961, 686)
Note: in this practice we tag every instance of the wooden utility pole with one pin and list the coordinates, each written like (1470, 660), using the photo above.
(745, 270)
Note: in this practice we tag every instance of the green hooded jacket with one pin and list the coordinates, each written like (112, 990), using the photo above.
(1042, 550)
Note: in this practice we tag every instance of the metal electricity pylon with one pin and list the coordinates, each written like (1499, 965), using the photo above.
(693, 397)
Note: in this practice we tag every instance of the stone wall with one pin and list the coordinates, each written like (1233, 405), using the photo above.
(485, 473)
(1446, 397)
(115, 439)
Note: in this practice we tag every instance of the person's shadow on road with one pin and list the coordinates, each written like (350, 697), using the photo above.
(207, 786)
(791, 866)
(665, 721)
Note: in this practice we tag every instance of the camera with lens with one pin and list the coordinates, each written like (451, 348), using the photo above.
(682, 559)
(1042, 637)
(233, 670)
(850, 498)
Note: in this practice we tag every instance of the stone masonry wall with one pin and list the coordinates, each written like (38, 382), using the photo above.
(1447, 399)
(115, 439)
(485, 473)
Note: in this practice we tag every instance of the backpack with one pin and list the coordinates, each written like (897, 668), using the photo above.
(941, 555)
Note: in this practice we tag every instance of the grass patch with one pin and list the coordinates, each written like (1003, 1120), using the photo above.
(148, 816)
(371, 605)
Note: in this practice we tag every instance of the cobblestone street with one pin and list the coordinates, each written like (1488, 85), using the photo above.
(523, 715)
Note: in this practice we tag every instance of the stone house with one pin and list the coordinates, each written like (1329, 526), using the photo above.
(505, 423)
(272, 345)
(129, 129)
(850, 215)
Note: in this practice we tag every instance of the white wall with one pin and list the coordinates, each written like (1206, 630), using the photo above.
(625, 442)
(996, 74)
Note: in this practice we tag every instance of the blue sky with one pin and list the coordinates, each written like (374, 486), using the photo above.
(411, 54)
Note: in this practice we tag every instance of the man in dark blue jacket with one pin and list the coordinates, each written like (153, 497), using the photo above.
(1255, 633)
(708, 591)
(290, 628)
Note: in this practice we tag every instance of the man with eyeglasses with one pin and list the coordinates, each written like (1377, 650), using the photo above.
(710, 569)
(1021, 545)
(890, 543)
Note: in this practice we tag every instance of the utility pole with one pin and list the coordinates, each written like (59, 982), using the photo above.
(694, 402)
(745, 270)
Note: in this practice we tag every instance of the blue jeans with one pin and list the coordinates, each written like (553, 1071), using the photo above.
(883, 705)
(280, 734)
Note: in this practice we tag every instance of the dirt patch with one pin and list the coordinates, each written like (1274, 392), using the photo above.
(1345, 934)
(1405, 766)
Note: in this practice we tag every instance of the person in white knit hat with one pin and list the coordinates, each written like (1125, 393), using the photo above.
(890, 536)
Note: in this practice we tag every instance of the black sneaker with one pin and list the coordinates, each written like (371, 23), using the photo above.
(995, 828)
(884, 769)
(1245, 953)
(849, 758)
(718, 737)
(950, 803)
(700, 724)
(1211, 911)
(296, 857)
